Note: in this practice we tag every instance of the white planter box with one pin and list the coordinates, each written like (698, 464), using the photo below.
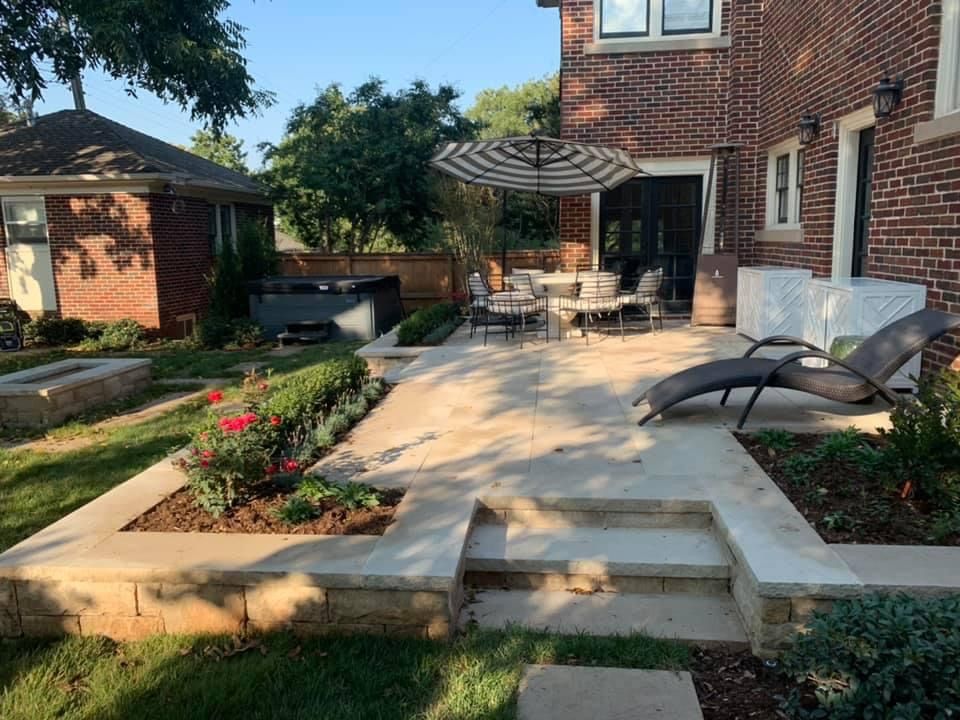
(770, 301)
(860, 306)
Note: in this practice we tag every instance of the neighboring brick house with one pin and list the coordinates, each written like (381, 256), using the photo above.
(102, 222)
(666, 79)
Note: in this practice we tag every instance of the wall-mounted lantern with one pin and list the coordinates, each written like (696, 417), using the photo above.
(886, 96)
(809, 127)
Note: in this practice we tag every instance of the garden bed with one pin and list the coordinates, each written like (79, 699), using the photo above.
(834, 482)
(259, 515)
(735, 685)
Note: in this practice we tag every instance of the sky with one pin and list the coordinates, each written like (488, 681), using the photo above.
(295, 47)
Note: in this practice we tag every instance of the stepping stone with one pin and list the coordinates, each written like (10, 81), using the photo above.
(559, 692)
(246, 367)
(286, 351)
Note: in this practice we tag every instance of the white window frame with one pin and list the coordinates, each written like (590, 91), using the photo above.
(948, 98)
(10, 199)
(218, 238)
(789, 148)
(655, 26)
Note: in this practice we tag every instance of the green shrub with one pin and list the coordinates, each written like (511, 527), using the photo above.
(295, 511)
(781, 440)
(880, 658)
(254, 256)
(425, 323)
(923, 445)
(124, 334)
(215, 332)
(352, 496)
(56, 331)
(312, 392)
(841, 445)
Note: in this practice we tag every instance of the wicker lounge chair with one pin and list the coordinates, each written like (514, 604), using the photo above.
(858, 378)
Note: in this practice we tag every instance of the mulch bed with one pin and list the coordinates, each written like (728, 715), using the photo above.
(873, 513)
(738, 686)
(179, 513)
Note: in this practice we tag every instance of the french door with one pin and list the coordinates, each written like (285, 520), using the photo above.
(650, 222)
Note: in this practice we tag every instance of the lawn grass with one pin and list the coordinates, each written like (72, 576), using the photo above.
(37, 488)
(335, 678)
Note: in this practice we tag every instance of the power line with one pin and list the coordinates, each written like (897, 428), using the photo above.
(472, 29)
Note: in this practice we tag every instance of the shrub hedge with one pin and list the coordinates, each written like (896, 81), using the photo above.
(314, 391)
(425, 326)
(90, 335)
(879, 658)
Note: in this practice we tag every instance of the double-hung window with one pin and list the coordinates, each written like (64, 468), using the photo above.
(25, 219)
(624, 19)
(785, 168)
(221, 226)
(782, 189)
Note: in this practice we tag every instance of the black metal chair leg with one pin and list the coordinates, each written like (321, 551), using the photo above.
(623, 337)
(726, 395)
(523, 328)
(648, 417)
(750, 404)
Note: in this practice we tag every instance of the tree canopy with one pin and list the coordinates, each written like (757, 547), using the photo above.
(223, 149)
(352, 168)
(533, 106)
(183, 52)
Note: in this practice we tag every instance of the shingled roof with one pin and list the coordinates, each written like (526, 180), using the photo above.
(81, 142)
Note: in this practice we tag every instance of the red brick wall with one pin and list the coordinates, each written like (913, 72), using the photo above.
(103, 262)
(183, 259)
(663, 104)
(827, 57)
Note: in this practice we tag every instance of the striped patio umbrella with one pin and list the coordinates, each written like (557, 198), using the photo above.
(537, 164)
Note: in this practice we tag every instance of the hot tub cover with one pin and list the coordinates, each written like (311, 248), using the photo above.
(323, 284)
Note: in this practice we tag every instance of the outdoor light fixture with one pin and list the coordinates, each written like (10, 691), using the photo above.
(809, 127)
(887, 96)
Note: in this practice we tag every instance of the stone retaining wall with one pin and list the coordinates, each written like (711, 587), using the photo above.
(86, 384)
(134, 610)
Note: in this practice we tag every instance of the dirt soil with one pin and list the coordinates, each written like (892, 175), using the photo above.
(179, 513)
(738, 686)
(846, 505)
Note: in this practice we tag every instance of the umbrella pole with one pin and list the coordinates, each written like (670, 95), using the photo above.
(503, 243)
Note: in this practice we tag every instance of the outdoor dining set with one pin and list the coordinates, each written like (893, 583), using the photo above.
(548, 303)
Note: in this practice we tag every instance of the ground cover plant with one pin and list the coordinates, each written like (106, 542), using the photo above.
(899, 487)
(429, 326)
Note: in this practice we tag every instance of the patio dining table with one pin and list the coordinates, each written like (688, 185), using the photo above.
(553, 287)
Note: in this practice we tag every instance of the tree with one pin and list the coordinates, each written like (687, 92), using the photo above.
(181, 51)
(471, 216)
(352, 169)
(533, 106)
(531, 220)
(223, 149)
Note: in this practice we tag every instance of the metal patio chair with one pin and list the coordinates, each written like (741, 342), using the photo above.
(860, 377)
(645, 294)
(515, 310)
(598, 296)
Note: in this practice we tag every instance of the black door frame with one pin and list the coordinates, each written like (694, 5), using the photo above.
(866, 156)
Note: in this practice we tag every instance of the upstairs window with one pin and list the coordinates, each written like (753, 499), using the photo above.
(620, 19)
(624, 18)
(687, 16)
(221, 226)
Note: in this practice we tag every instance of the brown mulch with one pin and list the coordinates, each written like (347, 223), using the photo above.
(179, 513)
(873, 512)
(738, 686)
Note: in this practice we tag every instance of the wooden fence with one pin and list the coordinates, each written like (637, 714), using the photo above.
(425, 278)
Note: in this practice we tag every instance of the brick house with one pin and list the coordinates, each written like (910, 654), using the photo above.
(102, 222)
(868, 195)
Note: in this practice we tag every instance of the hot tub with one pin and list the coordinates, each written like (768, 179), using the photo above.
(357, 307)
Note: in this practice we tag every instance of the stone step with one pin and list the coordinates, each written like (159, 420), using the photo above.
(605, 553)
(550, 517)
(695, 619)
